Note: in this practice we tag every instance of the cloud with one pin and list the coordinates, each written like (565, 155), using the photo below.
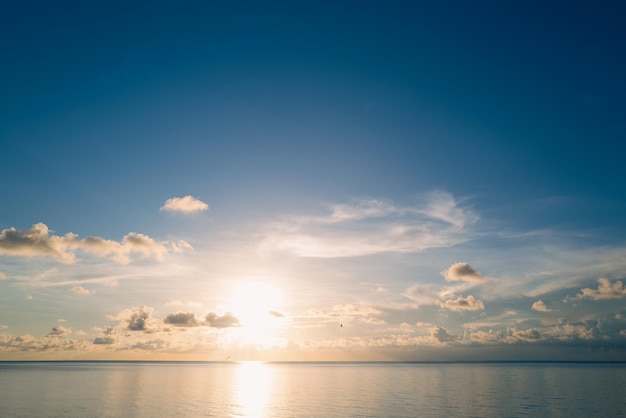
(104, 340)
(28, 296)
(225, 321)
(463, 272)
(462, 304)
(605, 290)
(79, 290)
(372, 226)
(422, 294)
(540, 306)
(59, 331)
(36, 242)
(182, 319)
(276, 314)
(2, 276)
(136, 319)
(441, 334)
(187, 204)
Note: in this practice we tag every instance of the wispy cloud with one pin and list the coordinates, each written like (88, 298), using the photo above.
(79, 290)
(373, 226)
(187, 204)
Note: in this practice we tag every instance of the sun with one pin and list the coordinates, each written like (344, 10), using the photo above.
(257, 305)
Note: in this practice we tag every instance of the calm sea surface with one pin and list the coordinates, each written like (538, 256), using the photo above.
(85, 389)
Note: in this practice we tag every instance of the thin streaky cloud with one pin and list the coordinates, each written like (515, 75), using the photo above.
(79, 290)
(369, 227)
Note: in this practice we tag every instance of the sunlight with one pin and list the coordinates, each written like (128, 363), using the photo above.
(256, 305)
(253, 383)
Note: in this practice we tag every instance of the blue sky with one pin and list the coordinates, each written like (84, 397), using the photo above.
(313, 180)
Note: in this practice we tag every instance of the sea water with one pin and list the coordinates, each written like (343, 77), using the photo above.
(141, 389)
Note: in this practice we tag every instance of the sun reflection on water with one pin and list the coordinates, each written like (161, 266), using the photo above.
(253, 383)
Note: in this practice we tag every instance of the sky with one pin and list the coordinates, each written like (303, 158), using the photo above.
(313, 180)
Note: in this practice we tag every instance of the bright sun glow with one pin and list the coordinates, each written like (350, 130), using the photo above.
(257, 306)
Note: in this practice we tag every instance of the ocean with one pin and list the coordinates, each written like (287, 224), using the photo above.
(157, 389)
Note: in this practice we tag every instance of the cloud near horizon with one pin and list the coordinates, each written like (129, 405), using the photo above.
(186, 204)
(37, 242)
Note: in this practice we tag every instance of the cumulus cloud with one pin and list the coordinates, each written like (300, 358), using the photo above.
(441, 334)
(182, 319)
(540, 306)
(37, 242)
(463, 272)
(187, 204)
(372, 226)
(79, 290)
(59, 331)
(135, 319)
(605, 290)
(104, 340)
(462, 304)
(225, 321)
(138, 318)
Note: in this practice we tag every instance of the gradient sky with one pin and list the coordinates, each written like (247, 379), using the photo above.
(345, 180)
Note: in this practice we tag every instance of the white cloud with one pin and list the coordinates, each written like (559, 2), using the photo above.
(79, 290)
(366, 227)
(463, 272)
(605, 290)
(36, 242)
(540, 306)
(187, 204)
(462, 304)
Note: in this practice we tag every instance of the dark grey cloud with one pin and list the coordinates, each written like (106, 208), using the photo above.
(138, 318)
(182, 319)
(104, 340)
(225, 321)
